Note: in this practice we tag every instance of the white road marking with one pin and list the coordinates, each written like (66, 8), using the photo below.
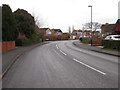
(89, 66)
(63, 52)
(57, 46)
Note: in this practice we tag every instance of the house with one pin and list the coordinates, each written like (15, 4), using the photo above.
(56, 31)
(116, 30)
(86, 33)
(46, 33)
(79, 32)
(74, 34)
(65, 36)
(51, 34)
(56, 34)
(96, 33)
(107, 29)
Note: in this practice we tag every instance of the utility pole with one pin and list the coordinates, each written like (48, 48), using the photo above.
(69, 30)
(73, 27)
(91, 23)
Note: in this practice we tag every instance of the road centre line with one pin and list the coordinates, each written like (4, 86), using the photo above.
(57, 46)
(63, 52)
(89, 66)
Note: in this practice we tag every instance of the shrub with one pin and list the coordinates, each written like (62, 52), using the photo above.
(112, 44)
(22, 41)
(96, 41)
(86, 40)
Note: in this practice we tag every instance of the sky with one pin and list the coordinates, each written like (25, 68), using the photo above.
(62, 14)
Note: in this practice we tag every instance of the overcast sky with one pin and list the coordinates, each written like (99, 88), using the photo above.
(64, 13)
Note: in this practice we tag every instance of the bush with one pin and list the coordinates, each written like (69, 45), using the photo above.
(95, 41)
(22, 41)
(112, 44)
(86, 40)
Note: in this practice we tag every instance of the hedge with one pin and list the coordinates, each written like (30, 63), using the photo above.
(22, 42)
(86, 40)
(95, 41)
(112, 44)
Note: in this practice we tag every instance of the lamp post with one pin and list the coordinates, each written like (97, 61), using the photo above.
(91, 23)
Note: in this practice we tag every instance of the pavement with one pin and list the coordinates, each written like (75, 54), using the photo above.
(96, 48)
(9, 57)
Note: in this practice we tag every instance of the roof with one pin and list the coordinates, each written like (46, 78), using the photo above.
(107, 27)
(56, 30)
(44, 29)
(117, 26)
(74, 32)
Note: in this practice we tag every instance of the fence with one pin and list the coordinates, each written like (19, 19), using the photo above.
(6, 45)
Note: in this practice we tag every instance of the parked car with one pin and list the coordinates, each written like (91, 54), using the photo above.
(113, 37)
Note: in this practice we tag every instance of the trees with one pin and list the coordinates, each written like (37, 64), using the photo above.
(9, 28)
(25, 23)
(18, 23)
(95, 26)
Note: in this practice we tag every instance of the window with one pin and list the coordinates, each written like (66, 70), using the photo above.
(117, 36)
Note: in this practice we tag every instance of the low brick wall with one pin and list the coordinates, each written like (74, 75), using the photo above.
(6, 45)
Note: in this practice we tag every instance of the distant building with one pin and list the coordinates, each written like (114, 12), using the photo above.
(46, 33)
(86, 33)
(51, 34)
(116, 30)
(56, 31)
(76, 34)
(107, 29)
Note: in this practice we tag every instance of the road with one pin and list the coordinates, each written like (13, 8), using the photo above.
(60, 64)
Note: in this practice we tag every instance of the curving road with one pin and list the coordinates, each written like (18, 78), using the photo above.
(62, 65)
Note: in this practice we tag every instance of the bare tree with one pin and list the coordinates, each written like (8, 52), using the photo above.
(95, 26)
(38, 20)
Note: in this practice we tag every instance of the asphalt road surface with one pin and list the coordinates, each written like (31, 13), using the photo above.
(60, 64)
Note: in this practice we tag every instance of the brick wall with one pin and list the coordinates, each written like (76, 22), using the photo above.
(6, 45)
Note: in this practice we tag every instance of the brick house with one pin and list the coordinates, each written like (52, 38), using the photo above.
(51, 34)
(79, 33)
(56, 32)
(45, 33)
(74, 34)
(116, 30)
(107, 29)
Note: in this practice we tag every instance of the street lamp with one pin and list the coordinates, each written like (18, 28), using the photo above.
(91, 23)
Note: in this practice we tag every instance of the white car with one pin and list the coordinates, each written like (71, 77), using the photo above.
(113, 37)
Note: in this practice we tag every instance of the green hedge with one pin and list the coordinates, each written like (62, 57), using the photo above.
(22, 42)
(86, 40)
(112, 44)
